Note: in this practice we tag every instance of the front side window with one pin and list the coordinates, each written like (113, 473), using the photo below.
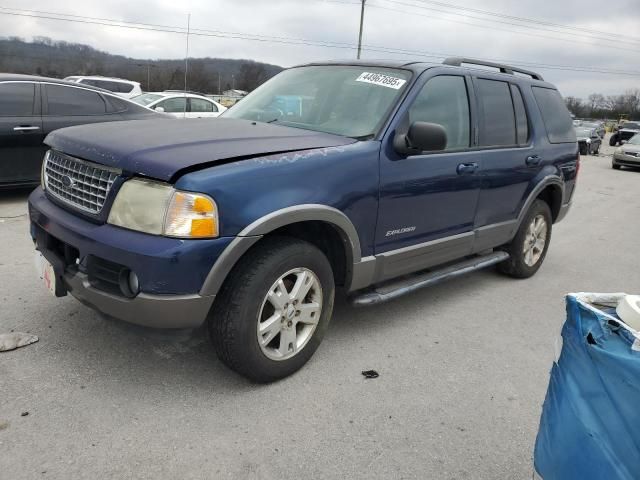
(444, 100)
(70, 101)
(173, 105)
(497, 123)
(199, 105)
(17, 99)
(344, 100)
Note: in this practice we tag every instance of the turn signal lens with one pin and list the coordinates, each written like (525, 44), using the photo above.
(191, 215)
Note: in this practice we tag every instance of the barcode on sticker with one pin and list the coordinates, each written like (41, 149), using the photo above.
(382, 80)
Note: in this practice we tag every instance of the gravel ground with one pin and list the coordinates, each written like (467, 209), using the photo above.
(463, 372)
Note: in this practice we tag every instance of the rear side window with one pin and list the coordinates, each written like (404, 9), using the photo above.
(199, 105)
(522, 124)
(124, 87)
(498, 125)
(444, 100)
(17, 99)
(555, 115)
(70, 101)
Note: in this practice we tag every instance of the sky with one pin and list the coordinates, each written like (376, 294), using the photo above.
(597, 37)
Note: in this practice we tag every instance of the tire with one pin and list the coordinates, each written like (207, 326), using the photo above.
(518, 265)
(245, 302)
(613, 141)
(615, 166)
(584, 150)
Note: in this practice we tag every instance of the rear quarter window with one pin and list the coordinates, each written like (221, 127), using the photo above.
(556, 117)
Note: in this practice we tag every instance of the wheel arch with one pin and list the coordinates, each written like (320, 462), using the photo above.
(326, 227)
(549, 190)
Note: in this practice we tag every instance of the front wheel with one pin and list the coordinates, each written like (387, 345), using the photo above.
(529, 247)
(613, 141)
(273, 310)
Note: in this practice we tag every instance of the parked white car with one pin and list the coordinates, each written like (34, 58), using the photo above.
(180, 105)
(119, 86)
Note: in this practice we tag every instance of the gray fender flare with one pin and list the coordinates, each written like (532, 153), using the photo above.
(274, 220)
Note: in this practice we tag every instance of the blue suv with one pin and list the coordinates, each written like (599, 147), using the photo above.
(370, 178)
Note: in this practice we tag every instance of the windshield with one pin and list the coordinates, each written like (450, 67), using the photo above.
(632, 126)
(344, 100)
(635, 140)
(146, 98)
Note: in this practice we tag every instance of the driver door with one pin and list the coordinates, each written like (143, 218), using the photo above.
(428, 201)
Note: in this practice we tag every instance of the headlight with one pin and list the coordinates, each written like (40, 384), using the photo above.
(157, 208)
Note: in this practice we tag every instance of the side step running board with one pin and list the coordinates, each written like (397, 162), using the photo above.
(396, 288)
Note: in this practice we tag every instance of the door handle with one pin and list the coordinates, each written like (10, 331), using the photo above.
(25, 128)
(466, 168)
(533, 160)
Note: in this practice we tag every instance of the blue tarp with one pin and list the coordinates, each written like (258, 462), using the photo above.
(590, 424)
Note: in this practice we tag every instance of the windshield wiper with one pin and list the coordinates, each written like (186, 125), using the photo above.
(273, 120)
(364, 137)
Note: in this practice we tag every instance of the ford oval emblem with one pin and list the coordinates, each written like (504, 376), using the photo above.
(67, 181)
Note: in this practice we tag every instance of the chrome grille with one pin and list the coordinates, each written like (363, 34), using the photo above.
(81, 184)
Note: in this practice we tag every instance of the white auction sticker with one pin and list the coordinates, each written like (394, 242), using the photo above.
(382, 80)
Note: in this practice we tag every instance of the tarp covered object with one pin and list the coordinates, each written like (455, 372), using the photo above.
(590, 424)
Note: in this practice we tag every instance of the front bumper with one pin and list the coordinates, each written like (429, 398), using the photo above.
(171, 272)
(626, 160)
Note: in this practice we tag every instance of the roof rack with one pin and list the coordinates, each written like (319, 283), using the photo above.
(458, 61)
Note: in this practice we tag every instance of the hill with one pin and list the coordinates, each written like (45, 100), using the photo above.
(44, 56)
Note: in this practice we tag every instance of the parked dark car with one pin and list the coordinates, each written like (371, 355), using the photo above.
(624, 133)
(597, 126)
(32, 107)
(387, 177)
(588, 140)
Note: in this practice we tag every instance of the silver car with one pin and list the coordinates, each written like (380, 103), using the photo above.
(628, 155)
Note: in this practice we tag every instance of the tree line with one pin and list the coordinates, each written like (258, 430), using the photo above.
(610, 107)
(46, 57)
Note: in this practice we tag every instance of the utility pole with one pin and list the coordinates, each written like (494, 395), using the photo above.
(361, 22)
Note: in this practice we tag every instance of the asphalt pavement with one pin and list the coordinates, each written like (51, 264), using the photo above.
(463, 371)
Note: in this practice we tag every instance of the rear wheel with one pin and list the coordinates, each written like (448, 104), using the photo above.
(273, 310)
(613, 141)
(529, 247)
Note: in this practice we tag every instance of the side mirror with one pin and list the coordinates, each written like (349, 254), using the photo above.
(159, 109)
(421, 137)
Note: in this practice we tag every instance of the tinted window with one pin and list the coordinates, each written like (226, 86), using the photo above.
(555, 115)
(199, 105)
(498, 125)
(173, 105)
(16, 99)
(443, 100)
(522, 125)
(74, 101)
(124, 87)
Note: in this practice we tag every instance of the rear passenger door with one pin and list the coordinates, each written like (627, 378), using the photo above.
(510, 161)
(66, 106)
(21, 134)
(199, 108)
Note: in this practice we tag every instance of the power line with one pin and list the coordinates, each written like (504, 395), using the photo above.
(537, 27)
(524, 19)
(283, 40)
(491, 27)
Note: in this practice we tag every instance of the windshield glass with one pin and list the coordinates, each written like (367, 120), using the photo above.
(632, 126)
(583, 132)
(146, 98)
(344, 100)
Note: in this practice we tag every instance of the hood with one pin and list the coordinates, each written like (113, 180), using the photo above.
(627, 147)
(160, 149)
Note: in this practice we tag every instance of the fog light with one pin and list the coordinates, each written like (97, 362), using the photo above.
(134, 284)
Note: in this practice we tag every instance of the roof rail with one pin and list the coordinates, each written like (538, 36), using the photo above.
(458, 61)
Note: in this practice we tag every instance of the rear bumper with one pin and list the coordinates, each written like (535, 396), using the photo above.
(171, 272)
